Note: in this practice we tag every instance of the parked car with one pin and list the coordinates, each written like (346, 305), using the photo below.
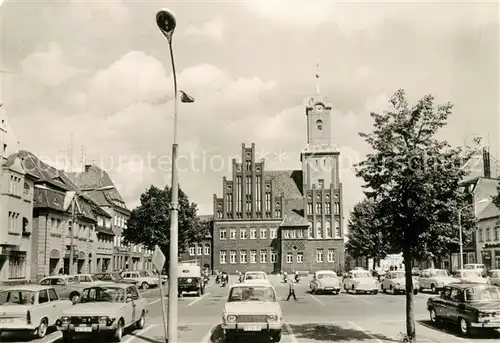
(479, 267)
(360, 281)
(325, 281)
(85, 278)
(104, 309)
(114, 277)
(494, 276)
(469, 276)
(190, 280)
(67, 287)
(30, 308)
(143, 279)
(470, 305)
(434, 279)
(154, 274)
(255, 276)
(395, 283)
(252, 308)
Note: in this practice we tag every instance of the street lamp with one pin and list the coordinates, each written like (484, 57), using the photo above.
(460, 228)
(166, 23)
(73, 224)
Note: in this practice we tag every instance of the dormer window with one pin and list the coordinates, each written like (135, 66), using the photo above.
(319, 124)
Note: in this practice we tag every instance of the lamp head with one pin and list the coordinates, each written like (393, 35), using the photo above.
(166, 22)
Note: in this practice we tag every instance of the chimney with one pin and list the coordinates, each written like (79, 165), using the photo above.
(486, 163)
(87, 167)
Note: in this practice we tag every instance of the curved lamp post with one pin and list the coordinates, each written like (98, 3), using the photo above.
(460, 228)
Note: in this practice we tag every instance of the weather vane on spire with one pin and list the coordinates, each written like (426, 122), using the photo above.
(317, 78)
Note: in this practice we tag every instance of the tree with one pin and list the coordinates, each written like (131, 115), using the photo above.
(415, 181)
(367, 237)
(149, 223)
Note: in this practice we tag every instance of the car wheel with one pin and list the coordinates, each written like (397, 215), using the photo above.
(66, 337)
(141, 322)
(433, 289)
(375, 292)
(415, 291)
(276, 337)
(75, 298)
(433, 316)
(118, 334)
(41, 331)
(229, 337)
(464, 326)
(391, 290)
(353, 289)
(144, 285)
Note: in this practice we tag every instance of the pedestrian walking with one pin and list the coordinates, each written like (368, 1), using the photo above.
(291, 290)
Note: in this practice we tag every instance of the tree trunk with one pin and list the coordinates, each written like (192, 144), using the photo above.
(374, 263)
(410, 315)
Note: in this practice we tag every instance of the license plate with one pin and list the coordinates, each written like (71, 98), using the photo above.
(328, 288)
(83, 329)
(9, 320)
(251, 328)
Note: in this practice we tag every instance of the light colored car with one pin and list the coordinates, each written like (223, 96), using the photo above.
(494, 276)
(31, 308)
(252, 307)
(325, 281)
(479, 267)
(469, 276)
(67, 287)
(151, 273)
(259, 277)
(85, 278)
(395, 283)
(105, 309)
(142, 278)
(360, 281)
(434, 279)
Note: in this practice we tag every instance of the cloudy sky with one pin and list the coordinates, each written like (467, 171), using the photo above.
(99, 72)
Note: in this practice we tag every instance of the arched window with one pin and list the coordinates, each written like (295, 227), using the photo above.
(319, 230)
(207, 249)
(329, 230)
(319, 124)
(310, 231)
(192, 250)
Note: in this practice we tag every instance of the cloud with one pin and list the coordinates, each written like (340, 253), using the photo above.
(354, 16)
(48, 67)
(213, 29)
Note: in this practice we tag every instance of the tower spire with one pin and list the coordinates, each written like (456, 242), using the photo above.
(317, 79)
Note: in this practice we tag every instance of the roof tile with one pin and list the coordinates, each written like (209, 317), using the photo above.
(286, 182)
(292, 218)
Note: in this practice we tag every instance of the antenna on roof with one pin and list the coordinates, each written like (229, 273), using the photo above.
(70, 153)
(82, 158)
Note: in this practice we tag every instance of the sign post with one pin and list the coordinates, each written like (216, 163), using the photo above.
(159, 262)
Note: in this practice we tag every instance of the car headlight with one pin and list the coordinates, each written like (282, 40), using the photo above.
(103, 320)
(189, 280)
(231, 318)
(397, 285)
(272, 318)
(65, 320)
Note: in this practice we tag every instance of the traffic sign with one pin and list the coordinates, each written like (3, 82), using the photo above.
(158, 259)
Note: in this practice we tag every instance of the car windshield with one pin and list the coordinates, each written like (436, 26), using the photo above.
(255, 276)
(440, 273)
(252, 293)
(17, 297)
(398, 275)
(105, 294)
(327, 275)
(482, 293)
(495, 273)
(143, 274)
(360, 275)
(470, 273)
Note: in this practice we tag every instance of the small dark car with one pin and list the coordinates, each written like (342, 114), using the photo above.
(470, 305)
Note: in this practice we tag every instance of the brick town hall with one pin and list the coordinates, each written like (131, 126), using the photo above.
(283, 220)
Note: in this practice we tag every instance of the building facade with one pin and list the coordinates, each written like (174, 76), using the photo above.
(102, 190)
(201, 252)
(283, 220)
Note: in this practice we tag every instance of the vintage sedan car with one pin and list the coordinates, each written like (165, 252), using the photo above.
(360, 281)
(251, 276)
(252, 308)
(143, 279)
(30, 308)
(395, 283)
(479, 267)
(106, 309)
(434, 279)
(494, 276)
(114, 277)
(470, 305)
(469, 276)
(67, 287)
(85, 278)
(325, 281)
(152, 273)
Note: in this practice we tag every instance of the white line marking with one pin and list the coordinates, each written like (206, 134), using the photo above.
(200, 298)
(206, 338)
(359, 298)
(153, 302)
(138, 333)
(312, 296)
(360, 328)
(290, 331)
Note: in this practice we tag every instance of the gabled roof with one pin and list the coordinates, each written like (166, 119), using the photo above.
(293, 219)
(44, 197)
(286, 182)
(482, 189)
(490, 211)
(475, 167)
